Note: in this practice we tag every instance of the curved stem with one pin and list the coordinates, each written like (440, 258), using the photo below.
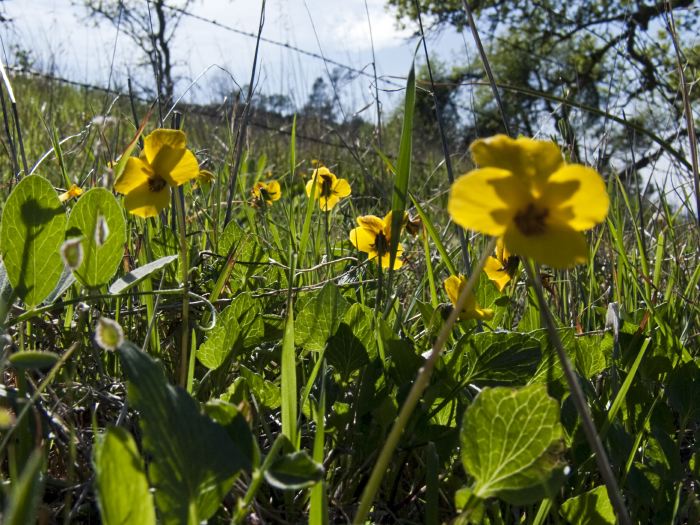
(419, 385)
(580, 402)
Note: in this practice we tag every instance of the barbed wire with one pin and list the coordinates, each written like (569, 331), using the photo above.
(208, 111)
(285, 45)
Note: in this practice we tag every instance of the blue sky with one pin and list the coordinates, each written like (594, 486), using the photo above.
(63, 40)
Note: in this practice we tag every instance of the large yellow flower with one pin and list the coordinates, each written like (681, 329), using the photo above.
(165, 162)
(266, 192)
(329, 188)
(454, 286)
(373, 236)
(501, 269)
(526, 193)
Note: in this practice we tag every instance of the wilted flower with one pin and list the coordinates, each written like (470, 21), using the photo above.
(72, 253)
(73, 191)
(108, 334)
(526, 193)
(165, 162)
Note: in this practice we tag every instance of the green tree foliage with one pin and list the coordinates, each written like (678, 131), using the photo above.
(613, 57)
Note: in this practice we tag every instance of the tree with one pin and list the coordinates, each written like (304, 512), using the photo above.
(614, 57)
(151, 25)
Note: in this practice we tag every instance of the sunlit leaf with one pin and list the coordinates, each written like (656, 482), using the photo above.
(123, 495)
(31, 234)
(512, 443)
(98, 220)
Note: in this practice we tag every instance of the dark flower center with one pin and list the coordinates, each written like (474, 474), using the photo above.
(326, 186)
(155, 184)
(510, 266)
(381, 244)
(531, 220)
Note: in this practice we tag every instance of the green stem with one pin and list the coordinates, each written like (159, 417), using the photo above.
(257, 478)
(419, 385)
(580, 402)
(185, 269)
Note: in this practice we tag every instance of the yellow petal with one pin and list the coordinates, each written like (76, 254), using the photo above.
(322, 171)
(559, 246)
(342, 188)
(576, 196)
(173, 139)
(452, 285)
(485, 200)
(363, 239)
(185, 169)
(73, 191)
(483, 314)
(534, 159)
(143, 202)
(166, 161)
(328, 203)
(136, 172)
(371, 223)
(274, 190)
(495, 272)
(398, 263)
(309, 187)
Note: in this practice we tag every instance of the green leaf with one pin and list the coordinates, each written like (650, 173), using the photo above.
(684, 391)
(123, 495)
(496, 358)
(590, 508)
(66, 280)
(26, 492)
(239, 326)
(320, 318)
(549, 369)
(265, 392)
(33, 222)
(512, 443)
(98, 219)
(135, 276)
(36, 360)
(195, 462)
(353, 344)
(227, 415)
(593, 353)
(403, 167)
(294, 471)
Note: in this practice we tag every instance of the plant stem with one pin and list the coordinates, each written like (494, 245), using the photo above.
(580, 402)
(419, 385)
(257, 478)
(185, 268)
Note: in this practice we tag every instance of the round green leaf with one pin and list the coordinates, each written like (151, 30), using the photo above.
(512, 443)
(98, 219)
(31, 234)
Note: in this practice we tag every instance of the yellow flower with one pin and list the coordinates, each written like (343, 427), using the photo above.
(502, 268)
(329, 188)
(454, 286)
(165, 162)
(266, 192)
(526, 193)
(73, 191)
(373, 236)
